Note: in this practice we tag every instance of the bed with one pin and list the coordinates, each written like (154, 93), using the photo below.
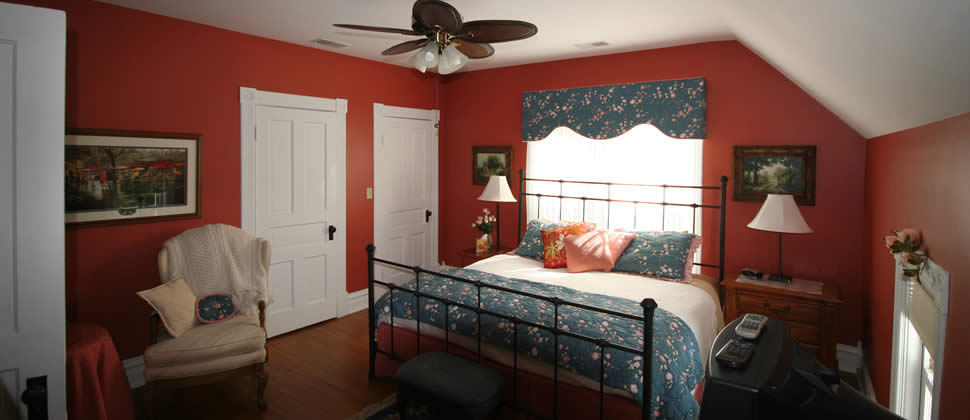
(482, 312)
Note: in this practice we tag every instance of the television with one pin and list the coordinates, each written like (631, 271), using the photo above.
(780, 381)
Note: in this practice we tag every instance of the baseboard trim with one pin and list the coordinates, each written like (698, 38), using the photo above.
(352, 303)
(135, 371)
(852, 359)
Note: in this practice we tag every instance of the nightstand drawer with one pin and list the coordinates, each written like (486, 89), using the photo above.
(805, 334)
(778, 308)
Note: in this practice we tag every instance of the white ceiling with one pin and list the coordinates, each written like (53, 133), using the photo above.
(881, 65)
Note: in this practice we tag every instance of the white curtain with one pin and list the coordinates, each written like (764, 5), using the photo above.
(643, 155)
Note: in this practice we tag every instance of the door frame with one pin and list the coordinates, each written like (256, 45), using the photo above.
(433, 116)
(249, 99)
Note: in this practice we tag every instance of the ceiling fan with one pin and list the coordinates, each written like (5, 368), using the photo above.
(448, 42)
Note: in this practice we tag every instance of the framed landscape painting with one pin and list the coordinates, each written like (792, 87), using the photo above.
(113, 177)
(759, 170)
(488, 161)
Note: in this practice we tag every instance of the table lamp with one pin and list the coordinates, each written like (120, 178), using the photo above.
(497, 190)
(780, 214)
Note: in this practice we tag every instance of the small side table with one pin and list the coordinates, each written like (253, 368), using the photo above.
(97, 387)
(468, 256)
(811, 318)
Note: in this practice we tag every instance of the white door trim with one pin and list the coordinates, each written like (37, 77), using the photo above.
(249, 98)
(433, 115)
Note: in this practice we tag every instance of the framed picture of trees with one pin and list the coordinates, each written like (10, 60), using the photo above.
(113, 177)
(759, 170)
(488, 161)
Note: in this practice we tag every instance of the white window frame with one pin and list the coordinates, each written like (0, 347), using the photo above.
(912, 373)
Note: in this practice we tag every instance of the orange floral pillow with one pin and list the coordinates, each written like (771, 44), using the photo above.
(553, 246)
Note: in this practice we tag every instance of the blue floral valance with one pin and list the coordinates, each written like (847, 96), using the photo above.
(675, 107)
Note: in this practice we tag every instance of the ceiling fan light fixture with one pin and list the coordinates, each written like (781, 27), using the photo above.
(426, 58)
(451, 60)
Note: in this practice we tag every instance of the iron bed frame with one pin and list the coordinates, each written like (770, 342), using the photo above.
(648, 304)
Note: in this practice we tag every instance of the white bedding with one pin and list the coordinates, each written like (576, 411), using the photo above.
(697, 304)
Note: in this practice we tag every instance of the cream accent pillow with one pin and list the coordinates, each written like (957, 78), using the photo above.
(175, 304)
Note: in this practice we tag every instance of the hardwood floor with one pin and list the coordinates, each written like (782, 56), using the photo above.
(318, 372)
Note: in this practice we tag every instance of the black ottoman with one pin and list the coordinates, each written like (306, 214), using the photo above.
(451, 386)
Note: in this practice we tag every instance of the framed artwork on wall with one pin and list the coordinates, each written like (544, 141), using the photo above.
(490, 160)
(116, 177)
(759, 170)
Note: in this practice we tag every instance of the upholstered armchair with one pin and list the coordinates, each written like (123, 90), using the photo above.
(213, 259)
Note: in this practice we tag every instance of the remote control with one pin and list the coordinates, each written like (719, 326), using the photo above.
(735, 353)
(751, 326)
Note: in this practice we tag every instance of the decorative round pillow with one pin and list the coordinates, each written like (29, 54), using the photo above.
(214, 308)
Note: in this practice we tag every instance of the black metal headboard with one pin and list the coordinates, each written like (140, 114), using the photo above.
(663, 203)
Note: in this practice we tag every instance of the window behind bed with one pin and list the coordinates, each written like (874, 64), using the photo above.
(642, 155)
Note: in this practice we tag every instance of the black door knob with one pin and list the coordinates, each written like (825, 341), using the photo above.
(427, 216)
(331, 230)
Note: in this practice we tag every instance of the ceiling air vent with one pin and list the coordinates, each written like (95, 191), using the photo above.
(329, 44)
(596, 44)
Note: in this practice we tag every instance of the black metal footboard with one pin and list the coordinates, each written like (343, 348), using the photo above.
(646, 353)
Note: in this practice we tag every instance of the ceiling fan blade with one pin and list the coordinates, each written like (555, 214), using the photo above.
(378, 29)
(496, 30)
(430, 15)
(405, 47)
(475, 49)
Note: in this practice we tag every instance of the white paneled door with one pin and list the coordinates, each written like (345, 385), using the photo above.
(405, 188)
(32, 319)
(299, 205)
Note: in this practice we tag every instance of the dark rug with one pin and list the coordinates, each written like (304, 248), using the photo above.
(387, 410)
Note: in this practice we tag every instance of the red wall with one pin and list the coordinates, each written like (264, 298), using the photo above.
(920, 178)
(748, 103)
(137, 71)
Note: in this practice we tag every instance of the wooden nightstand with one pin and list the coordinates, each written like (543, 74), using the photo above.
(469, 256)
(810, 318)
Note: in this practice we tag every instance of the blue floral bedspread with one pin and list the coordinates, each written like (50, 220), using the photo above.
(677, 366)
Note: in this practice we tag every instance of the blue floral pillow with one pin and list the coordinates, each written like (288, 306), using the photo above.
(661, 255)
(531, 244)
(214, 308)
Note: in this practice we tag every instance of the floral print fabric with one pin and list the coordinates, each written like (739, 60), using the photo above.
(554, 246)
(661, 255)
(677, 366)
(531, 245)
(214, 308)
(675, 107)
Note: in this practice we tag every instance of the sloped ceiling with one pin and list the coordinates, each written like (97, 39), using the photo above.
(881, 65)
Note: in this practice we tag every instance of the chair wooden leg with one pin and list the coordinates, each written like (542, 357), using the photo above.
(149, 401)
(262, 378)
(402, 408)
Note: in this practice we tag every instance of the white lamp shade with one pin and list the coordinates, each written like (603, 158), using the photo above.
(497, 190)
(451, 60)
(779, 213)
(426, 58)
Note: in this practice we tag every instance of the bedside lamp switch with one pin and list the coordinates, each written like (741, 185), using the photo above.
(370, 193)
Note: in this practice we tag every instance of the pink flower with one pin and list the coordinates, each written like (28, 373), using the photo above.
(911, 233)
(890, 240)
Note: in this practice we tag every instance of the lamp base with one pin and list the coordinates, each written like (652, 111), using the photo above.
(781, 278)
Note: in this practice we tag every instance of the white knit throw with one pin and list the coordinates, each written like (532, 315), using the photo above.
(220, 259)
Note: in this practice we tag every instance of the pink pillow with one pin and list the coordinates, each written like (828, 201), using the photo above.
(689, 264)
(596, 250)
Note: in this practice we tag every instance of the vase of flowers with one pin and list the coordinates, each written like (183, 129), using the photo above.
(907, 245)
(485, 223)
